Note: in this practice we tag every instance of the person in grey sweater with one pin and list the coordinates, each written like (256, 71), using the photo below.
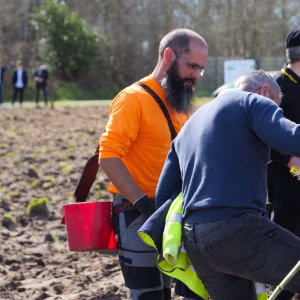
(219, 159)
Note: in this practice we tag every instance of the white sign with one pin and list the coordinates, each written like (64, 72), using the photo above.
(233, 69)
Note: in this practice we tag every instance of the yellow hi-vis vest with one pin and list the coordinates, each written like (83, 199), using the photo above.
(176, 262)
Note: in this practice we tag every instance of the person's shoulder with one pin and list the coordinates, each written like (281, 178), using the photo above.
(129, 96)
(232, 94)
(133, 91)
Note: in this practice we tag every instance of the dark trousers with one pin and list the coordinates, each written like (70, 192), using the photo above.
(283, 192)
(138, 260)
(1, 102)
(38, 94)
(17, 90)
(229, 255)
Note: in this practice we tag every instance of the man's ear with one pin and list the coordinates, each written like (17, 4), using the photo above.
(265, 91)
(169, 56)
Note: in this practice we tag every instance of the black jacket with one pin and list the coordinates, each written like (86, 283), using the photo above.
(15, 78)
(43, 75)
(3, 70)
(289, 84)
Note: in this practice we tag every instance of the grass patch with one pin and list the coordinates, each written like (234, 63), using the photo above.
(52, 149)
(11, 194)
(51, 178)
(66, 168)
(202, 101)
(34, 156)
(9, 217)
(63, 91)
(37, 201)
(54, 200)
(47, 185)
(9, 154)
(203, 92)
(35, 183)
(57, 244)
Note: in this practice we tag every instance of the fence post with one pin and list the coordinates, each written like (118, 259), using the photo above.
(257, 60)
(216, 72)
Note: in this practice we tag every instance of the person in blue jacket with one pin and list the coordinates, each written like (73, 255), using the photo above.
(220, 160)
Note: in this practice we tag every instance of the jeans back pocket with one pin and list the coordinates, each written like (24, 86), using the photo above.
(237, 252)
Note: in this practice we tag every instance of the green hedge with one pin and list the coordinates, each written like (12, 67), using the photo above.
(73, 91)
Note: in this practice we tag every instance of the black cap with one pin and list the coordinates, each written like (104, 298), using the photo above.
(293, 39)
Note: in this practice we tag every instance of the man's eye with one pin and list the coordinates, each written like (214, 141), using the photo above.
(194, 67)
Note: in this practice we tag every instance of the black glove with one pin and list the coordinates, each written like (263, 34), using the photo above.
(145, 206)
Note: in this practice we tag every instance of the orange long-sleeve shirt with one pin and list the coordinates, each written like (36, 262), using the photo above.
(138, 133)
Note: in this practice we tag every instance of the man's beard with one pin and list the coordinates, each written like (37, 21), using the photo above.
(179, 98)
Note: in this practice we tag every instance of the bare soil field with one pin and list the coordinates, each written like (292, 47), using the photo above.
(42, 154)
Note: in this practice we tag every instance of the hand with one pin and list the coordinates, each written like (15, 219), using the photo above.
(41, 80)
(294, 162)
(36, 78)
(145, 206)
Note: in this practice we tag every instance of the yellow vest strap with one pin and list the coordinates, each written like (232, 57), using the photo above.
(288, 75)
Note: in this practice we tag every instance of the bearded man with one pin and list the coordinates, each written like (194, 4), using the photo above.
(144, 118)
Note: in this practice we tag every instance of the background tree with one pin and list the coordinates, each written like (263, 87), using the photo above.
(66, 41)
(131, 31)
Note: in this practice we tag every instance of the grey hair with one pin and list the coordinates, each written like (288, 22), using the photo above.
(254, 80)
(293, 54)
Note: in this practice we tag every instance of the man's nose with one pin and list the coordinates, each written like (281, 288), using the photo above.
(196, 74)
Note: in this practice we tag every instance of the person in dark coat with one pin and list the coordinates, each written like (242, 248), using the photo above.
(41, 76)
(2, 70)
(19, 82)
(283, 188)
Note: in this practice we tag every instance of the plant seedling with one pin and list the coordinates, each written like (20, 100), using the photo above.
(295, 172)
(37, 202)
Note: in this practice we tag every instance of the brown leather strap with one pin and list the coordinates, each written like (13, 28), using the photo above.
(87, 179)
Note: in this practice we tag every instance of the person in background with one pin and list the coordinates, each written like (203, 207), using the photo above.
(219, 159)
(41, 76)
(283, 188)
(2, 70)
(19, 82)
(143, 121)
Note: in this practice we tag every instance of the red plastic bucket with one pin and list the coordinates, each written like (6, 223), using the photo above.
(89, 226)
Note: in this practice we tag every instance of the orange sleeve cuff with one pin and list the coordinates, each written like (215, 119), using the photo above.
(108, 154)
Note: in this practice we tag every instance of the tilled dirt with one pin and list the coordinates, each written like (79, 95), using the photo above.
(42, 154)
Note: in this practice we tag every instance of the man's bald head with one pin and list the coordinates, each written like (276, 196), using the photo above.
(179, 40)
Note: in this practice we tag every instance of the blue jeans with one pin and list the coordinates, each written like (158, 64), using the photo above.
(230, 254)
